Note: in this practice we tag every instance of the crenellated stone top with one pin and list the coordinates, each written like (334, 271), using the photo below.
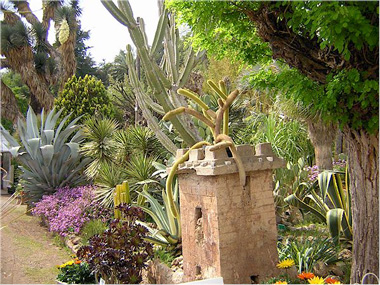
(206, 162)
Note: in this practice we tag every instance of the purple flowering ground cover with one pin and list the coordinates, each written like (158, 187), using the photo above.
(339, 165)
(67, 210)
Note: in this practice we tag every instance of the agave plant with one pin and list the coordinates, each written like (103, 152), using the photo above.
(337, 213)
(49, 154)
(168, 230)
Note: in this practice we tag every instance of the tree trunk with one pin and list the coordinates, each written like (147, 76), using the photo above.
(21, 60)
(322, 137)
(339, 144)
(363, 151)
(9, 107)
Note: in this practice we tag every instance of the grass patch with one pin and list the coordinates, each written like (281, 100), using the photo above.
(164, 255)
(46, 275)
(91, 228)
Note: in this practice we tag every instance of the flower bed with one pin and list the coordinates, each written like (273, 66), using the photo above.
(69, 209)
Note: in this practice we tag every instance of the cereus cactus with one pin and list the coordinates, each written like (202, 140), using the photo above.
(217, 122)
(121, 196)
(163, 78)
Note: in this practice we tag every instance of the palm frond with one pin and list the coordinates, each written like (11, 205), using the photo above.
(100, 146)
(109, 175)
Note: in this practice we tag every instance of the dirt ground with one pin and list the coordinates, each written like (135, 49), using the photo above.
(29, 253)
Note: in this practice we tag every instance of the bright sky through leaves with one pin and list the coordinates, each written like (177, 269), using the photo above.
(107, 36)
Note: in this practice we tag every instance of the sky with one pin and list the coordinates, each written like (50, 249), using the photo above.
(107, 35)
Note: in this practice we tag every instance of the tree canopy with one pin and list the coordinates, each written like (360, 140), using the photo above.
(323, 54)
(331, 48)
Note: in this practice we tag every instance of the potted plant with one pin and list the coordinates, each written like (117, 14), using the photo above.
(75, 272)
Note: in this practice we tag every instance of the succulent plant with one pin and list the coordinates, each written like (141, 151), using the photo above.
(49, 154)
(217, 122)
(337, 213)
(164, 78)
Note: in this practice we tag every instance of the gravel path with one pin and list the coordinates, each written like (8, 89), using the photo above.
(29, 254)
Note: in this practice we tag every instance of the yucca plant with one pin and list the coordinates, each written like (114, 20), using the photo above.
(49, 155)
(139, 169)
(101, 145)
(109, 175)
(138, 139)
(337, 213)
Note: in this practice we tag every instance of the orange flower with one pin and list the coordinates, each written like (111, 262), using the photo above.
(305, 275)
(77, 261)
(281, 282)
(331, 281)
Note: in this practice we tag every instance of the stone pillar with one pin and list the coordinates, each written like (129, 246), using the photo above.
(228, 230)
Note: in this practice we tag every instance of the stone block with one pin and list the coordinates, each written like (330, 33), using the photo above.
(196, 154)
(264, 149)
(217, 154)
(245, 151)
(229, 230)
(181, 152)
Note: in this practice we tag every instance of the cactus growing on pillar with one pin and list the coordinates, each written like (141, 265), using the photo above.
(164, 79)
(215, 121)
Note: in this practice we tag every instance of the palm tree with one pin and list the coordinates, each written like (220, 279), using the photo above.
(27, 51)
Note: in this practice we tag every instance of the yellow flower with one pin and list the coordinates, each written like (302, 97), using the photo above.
(287, 263)
(316, 280)
(281, 282)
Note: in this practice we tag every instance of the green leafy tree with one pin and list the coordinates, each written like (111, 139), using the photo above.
(332, 51)
(84, 97)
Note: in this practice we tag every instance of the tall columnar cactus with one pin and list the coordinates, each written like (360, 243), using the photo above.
(121, 195)
(164, 79)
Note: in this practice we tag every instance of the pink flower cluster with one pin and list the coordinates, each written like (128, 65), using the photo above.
(339, 165)
(68, 209)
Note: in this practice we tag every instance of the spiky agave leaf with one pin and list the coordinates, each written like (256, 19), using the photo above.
(45, 166)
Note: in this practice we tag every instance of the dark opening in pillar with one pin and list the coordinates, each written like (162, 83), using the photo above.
(198, 213)
(254, 279)
(198, 270)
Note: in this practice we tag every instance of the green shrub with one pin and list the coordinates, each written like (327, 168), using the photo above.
(165, 255)
(84, 96)
(91, 228)
(307, 252)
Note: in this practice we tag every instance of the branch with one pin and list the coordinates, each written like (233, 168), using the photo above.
(24, 10)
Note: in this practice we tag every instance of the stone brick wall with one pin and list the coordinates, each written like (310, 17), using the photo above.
(228, 230)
